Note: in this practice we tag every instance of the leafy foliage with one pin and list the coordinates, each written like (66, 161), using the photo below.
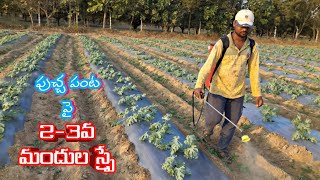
(127, 87)
(168, 165)
(268, 113)
(13, 37)
(175, 145)
(143, 114)
(2, 126)
(180, 171)
(303, 130)
(38, 53)
(277, 86)
(175, 169)
(317, 100)
(191, 151)
(131, 99)
(247, 98)
(144, 136)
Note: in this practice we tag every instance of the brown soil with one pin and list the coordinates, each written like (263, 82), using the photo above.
(293, 106)
(311, 76)
(145, 83)
(298, 71)
(11, 46)
(294, 159)
(187, 65)
(168, 81)
(91, 106)
(212, 37)
(204, 56)
(13, 57)
(115, 137)
(185, 49)
(312, 87)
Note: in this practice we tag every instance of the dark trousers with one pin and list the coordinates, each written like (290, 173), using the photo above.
(233, 111)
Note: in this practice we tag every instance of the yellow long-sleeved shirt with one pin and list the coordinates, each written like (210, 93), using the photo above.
(229, 79)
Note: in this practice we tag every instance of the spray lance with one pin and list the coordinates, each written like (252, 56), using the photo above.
(244, 138)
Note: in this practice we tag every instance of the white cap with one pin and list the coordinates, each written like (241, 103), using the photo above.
(245, 17)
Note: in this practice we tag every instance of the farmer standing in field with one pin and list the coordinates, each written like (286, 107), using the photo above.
(227, 88)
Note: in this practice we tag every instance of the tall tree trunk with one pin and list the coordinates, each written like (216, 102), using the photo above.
(77, 19)
(77, 13)
(31, 19)
(189, 23)
(199, 30)
(165, 27)
(69, 15)
(39, 15)
(110, 21)
(47, 17)
(104, 18)
(297, 33)
(69, 19)
(317, 35)
(141, 24)
(313, 32)
(131, 21)
(182, 29)
(275, 32)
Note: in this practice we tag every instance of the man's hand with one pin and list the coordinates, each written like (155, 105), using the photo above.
(199, 93)
(259, 101)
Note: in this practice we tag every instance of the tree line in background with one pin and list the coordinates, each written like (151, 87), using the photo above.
(278, 18)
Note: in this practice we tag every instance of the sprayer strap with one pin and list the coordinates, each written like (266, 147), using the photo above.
(193, 115)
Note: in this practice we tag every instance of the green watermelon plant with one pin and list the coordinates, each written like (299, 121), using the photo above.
(127, 87)
(317, 100)
(247, 98)
(176, 145)
(295, 90)
(157, 130)
(143, 114)
(2, 126)
(191, 150)
(303, 130)
(268, 113)
(131, 100)
(13, 37)
(174, 168)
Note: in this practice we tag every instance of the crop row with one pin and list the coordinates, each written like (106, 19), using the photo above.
(135, 114)
(306, 53)
(295, 92)
(168, 50)
(305, 79)
(276, 86)
(9, 38)
(178, 44)
(310, 56)
(301, 74)
(4, 32)
(165, 66)
(18, 80)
